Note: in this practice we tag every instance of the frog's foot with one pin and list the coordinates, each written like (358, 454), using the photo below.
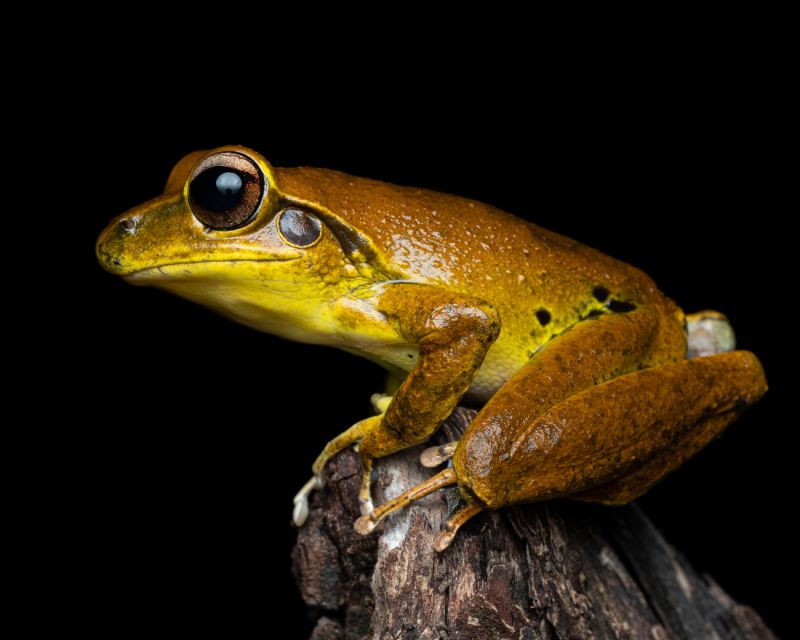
(300, 512)
(346, 439)
(369, 521)
(434, 456)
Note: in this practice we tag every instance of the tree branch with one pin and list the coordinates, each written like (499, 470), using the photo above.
(557, 569)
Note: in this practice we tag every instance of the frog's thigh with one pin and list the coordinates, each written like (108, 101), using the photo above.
(590, 352)
(638, 482)
(629, 432)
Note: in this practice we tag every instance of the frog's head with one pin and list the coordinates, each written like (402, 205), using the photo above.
(224, 235)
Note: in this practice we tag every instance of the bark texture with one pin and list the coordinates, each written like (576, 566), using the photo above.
(552, 570)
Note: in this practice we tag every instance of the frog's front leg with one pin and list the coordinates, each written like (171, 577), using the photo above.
(451, 333)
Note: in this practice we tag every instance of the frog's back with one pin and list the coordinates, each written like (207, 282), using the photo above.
(540, 282)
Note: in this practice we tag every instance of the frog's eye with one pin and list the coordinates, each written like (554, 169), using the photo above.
(225, 190)
(298, 228)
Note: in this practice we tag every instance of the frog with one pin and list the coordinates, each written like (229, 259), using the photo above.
(582, 369)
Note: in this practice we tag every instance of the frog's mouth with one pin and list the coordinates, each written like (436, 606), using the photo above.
(193, 268)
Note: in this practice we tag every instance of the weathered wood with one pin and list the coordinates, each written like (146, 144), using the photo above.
(553, 570)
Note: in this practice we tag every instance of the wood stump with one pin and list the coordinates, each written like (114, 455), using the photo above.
(557, 569)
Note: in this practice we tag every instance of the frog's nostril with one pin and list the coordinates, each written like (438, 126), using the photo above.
(117, 261)
(127, 224)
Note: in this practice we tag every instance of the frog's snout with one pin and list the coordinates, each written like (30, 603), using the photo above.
(110, 243)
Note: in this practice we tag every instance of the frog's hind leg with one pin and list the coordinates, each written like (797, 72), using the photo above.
(629, 487)
(708, 333)
(612, 442)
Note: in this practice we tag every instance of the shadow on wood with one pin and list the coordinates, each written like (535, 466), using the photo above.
(557, 569)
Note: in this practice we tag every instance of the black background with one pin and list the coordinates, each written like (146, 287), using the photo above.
(650, 142)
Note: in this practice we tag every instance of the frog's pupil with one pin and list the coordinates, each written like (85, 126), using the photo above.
(229, 183)
(217, 189)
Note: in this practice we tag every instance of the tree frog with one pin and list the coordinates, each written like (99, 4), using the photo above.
(578, 361)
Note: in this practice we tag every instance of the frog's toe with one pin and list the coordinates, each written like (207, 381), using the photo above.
(708, 333)
(369, 521)
(300, 511)
(364, 495)
(434, 456)
(366, 505)
(380, 402)
(446, 535)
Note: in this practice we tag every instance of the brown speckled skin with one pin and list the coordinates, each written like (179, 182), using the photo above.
(578, 357)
